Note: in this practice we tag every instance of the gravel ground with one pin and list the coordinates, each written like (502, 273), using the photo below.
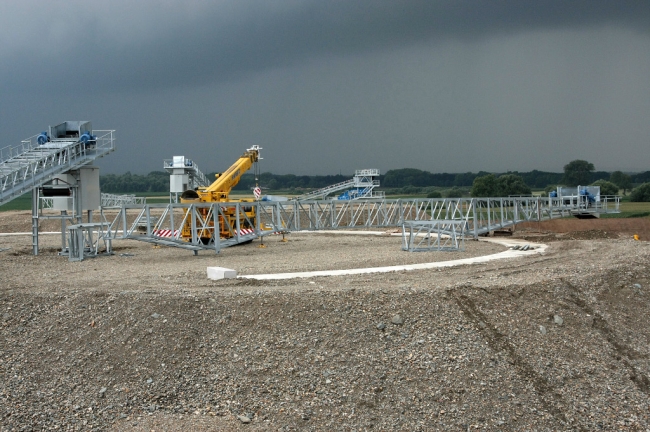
(143, 341)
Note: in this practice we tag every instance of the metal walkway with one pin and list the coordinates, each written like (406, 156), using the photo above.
(162, 223)
(30, 164)
(323, 192)
(360, 186)
(113, 200)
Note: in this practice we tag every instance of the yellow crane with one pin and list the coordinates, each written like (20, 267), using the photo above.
(219, 191)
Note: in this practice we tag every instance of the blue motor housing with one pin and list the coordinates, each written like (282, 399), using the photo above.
(589, 196)
(553, 194)
(87, 138)
(42, 138)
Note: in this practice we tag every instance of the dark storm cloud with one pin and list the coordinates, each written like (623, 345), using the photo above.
(144, 45)
(334, 86)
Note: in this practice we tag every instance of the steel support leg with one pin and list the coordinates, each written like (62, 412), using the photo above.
(35, 221)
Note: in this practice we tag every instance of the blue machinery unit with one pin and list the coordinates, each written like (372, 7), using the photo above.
(580, 199)
(56, 166)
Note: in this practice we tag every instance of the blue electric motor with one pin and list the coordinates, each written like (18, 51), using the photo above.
(87, 138)
(590, 197)
(42, 138)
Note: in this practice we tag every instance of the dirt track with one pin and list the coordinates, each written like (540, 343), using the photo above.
(625, 227)
(144, 341)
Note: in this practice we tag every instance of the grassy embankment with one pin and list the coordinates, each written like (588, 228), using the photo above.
(24, 202)
(631, 210)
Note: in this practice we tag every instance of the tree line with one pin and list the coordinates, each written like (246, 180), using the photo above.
(158, 181)
(411, 180)
(576, 173)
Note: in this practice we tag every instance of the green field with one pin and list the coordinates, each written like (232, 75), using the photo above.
(154, 197)
(23, 202)
(631, 210)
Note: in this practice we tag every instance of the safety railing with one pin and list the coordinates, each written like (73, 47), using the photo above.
(31, 164)
(113, 200)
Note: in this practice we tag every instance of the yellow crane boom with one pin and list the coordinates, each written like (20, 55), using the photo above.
(219, 191)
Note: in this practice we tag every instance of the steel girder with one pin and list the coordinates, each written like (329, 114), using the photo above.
(433, 235)
(84, 240)
(113, 200)
(162, 223)
(30, 165)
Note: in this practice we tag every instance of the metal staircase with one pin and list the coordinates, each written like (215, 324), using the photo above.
(33, 163)
(323, 192)
(360, 186)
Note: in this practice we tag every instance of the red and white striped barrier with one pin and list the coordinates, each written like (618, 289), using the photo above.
(176, 233)
(166, 233)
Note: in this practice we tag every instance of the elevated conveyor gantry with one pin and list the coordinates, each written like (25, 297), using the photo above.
(360, 186)
(40, 158)
(56, 162)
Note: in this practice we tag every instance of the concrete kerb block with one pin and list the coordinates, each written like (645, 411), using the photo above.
(216, 273)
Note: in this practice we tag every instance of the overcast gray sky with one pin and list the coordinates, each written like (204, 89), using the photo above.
(333, 86)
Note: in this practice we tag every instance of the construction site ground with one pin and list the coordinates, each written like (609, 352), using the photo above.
(142, 340)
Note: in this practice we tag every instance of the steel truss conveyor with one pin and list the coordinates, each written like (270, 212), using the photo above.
(162, 223)
(32, 163)
(362, 185)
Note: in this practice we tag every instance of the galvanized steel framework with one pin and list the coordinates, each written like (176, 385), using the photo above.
(112, 200)
(31, 164)
(476, 216)
(435, 235)
(365, 179)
